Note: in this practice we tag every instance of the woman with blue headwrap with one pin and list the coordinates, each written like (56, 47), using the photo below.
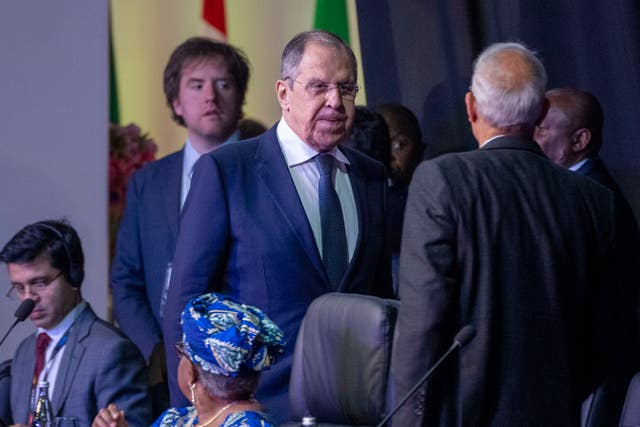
(225, 345)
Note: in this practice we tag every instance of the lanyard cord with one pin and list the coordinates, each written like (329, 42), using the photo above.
(48, 363)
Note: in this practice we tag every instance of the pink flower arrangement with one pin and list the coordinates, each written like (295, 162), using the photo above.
(129, 150)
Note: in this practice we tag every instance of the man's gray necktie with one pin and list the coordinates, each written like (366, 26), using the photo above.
(334, 240)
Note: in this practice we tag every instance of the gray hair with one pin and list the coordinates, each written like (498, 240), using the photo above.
(509, 90)
(294, 50)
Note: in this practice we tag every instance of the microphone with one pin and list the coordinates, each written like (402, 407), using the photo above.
(22, 312)
(461, 339)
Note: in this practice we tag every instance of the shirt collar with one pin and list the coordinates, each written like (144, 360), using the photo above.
(490, 139)
(191, 156)
(61, 328)
(296, 151)
(578, 165)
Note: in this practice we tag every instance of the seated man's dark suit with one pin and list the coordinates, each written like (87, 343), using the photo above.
(504, 240)
(146, 242)
(99, 366)
(244, 232)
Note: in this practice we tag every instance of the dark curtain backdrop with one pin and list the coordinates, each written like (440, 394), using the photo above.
(420, 54)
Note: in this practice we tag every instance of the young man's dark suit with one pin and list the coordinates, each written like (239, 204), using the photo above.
(244, 232)
(503, 239)
(146, 242)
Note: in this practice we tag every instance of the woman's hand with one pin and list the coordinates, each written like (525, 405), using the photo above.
(110, 416)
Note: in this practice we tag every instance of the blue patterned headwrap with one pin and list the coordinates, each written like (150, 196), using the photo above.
(224, 337)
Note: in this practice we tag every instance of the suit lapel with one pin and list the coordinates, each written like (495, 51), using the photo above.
(71, 358)
(359, 186)
(171, 184)
(273, 172)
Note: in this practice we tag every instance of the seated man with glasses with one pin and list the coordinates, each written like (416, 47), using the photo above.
(86, 361)
(280, 219)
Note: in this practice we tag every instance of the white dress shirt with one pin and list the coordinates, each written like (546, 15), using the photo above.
(51, 366)
(304, 172)
(189, 159)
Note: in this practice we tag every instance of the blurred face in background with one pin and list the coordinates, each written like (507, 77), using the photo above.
(556, 137)
(209, 101)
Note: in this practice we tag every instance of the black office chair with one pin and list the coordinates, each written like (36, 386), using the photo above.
(631, 409)
(340, 371)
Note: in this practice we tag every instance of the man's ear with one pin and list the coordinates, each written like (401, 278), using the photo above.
(580, 140)
(282, 92)
(177, 107)
(472, 109)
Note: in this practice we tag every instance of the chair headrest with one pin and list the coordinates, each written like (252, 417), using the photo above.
(342, 358)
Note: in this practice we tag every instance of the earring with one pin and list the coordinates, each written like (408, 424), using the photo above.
(192, 386)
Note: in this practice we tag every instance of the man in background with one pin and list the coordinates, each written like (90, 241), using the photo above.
(87, 362)
(502, 239)
(571, 136)
(278, 220)
(407, 151)
(205, 83)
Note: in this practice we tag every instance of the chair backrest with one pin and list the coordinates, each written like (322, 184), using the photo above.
(340, 371)
(631, 410)
(604, 407)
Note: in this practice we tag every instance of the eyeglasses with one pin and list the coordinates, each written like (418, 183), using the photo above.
(347, 91)
(180, 350)
(35, 288)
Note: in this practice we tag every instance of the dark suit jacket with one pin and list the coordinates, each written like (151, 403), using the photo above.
(607, 401)
(145, 245)
(244, 232)
(595, 169)
(503, 239)
(99, 366)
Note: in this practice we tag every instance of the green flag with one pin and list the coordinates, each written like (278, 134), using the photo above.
(331, 15)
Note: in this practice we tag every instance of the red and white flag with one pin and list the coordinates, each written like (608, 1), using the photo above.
(215, 25)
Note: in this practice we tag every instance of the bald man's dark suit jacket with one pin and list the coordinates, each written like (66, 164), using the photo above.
(244, 232)
(504, 240)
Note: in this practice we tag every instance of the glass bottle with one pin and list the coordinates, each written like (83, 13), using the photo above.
(43, 414)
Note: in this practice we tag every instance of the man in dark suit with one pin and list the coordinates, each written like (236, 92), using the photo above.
(87, 362)
(504, 240)
(205, 83)
(254, 224)
(571, 136)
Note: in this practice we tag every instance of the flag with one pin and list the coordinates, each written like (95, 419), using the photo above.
(331, 15)
(215, 25)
